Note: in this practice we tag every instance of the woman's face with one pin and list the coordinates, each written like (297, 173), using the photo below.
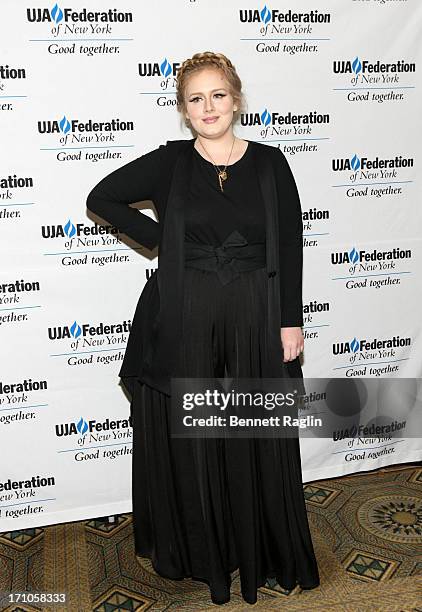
(209, 103)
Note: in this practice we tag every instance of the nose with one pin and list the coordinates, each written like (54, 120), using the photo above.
(209, 106)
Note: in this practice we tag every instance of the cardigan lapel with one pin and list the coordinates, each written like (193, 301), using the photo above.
(170, 273)
(265, 173)
(267, 182)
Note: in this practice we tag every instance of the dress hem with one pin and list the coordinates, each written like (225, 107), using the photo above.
(260, 583)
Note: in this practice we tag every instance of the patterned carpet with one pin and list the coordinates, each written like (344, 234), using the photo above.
(366, 529)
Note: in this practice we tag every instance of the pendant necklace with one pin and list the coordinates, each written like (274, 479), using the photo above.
(221, 173)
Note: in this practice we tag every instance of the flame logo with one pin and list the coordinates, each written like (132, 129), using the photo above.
(56, 13)
(355, 161)
(69, 229)
(75, 330)
(354, 345)
(356, 65)
(82, 426)
(265, 15)
(165, 67)
(354, 255)
(64, 125)
(265, 118)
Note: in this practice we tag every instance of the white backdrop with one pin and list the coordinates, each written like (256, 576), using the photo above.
(333, 87)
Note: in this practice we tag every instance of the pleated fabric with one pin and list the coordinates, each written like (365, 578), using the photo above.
(207, 506)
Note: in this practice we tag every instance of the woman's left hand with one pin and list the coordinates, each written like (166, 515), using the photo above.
(292, 341)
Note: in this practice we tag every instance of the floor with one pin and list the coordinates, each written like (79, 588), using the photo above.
(366, 529)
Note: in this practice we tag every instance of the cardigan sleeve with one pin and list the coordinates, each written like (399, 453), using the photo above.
(134, 182)
(290, 247)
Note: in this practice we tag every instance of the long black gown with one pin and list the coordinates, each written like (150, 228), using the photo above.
(205, 507)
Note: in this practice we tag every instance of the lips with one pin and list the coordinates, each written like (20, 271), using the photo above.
(210, 120)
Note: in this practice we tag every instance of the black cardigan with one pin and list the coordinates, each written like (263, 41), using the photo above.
(148, 178)
(163, 177)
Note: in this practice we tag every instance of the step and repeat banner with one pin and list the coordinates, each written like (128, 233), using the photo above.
(86, 87)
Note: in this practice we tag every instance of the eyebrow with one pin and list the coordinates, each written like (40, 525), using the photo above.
(195, 93)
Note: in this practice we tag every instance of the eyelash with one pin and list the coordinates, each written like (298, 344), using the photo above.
(218, 94)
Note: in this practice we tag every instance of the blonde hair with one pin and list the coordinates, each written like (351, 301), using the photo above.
(208, 59)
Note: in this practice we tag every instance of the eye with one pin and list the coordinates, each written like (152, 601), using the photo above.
(194, 99)
(221, 95)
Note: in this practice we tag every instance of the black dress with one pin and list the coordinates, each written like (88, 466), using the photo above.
(205, 507)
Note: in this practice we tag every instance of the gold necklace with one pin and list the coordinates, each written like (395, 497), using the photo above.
(222, 174)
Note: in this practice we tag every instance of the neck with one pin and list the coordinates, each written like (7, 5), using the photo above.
(218, 145)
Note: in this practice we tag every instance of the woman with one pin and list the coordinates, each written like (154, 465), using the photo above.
(225, 301)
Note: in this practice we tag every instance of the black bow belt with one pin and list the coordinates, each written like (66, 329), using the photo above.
(233, 256)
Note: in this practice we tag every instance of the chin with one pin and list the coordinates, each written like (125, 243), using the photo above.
(214, 129)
